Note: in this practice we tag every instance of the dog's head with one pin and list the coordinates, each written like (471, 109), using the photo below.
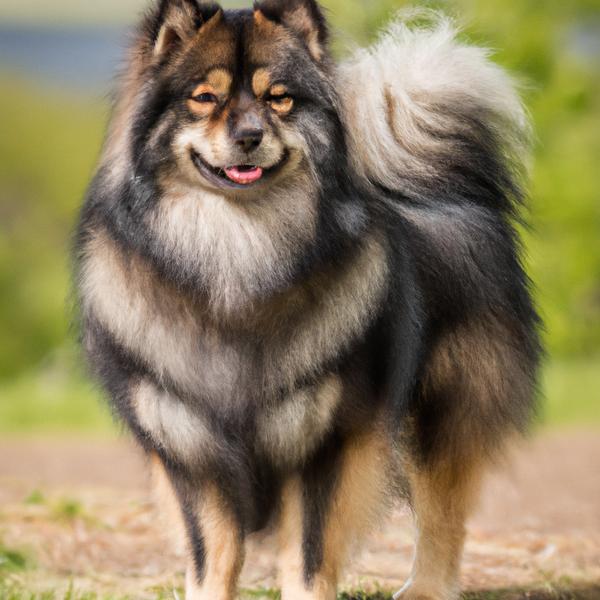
(234, 100)
(226, 161)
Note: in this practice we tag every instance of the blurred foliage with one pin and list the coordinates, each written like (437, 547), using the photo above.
(47, 150)
(51, 138)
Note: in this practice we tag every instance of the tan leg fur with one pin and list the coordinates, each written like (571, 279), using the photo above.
(357, 501)
(442, 497)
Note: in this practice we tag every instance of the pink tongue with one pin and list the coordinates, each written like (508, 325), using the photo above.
(244, 176)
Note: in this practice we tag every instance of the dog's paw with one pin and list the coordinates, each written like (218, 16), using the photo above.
(408, 594)
(413, 591)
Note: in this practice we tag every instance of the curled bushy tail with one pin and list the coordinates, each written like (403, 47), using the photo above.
(431, 117)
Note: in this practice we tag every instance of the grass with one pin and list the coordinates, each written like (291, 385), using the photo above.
(14, 591)
(67, 510)
(18, 570)
(36, 497)
(12, 560)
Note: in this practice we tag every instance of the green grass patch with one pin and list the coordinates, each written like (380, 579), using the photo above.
(35, 498)
(68, 510)
(14, 591)
(260, 594)
(13, 560)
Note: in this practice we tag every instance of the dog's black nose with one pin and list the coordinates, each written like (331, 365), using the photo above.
(249, 139)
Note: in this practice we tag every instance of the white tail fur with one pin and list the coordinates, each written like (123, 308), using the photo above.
(426, 112)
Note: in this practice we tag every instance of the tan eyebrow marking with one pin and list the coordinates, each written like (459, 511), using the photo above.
(278, 90)
(261, 80)
(220, 80)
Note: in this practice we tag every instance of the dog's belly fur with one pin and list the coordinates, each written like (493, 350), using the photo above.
(276, 390)
(284, 432)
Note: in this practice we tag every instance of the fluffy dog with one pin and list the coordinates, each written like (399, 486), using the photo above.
(300, 284)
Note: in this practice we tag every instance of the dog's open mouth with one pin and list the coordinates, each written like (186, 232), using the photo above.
(236, 176)
(244, 174)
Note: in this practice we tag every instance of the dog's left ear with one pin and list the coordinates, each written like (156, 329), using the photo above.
(304, 17)
(176, 21)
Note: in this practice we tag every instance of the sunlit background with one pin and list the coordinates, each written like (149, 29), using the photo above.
(57, 60)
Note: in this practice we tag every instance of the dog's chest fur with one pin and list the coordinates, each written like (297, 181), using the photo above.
(260, 359)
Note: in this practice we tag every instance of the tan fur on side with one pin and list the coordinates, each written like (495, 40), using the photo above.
(116, 152)
(359, 500)
(496, 373)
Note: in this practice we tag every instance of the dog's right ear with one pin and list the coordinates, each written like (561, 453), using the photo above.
(176, 21)
(304, 17)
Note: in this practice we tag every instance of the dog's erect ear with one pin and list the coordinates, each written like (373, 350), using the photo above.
(176, 21)
(304, 17)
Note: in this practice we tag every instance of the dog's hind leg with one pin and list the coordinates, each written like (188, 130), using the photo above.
(442, 496)
(214, 539)
(476, 395)
(327, 509)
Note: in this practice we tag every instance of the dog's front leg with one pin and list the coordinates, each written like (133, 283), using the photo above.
(213, 536)
(325, 511)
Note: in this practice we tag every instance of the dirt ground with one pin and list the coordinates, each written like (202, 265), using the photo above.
(81, 509)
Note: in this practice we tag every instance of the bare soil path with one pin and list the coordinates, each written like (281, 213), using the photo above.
(81, 509)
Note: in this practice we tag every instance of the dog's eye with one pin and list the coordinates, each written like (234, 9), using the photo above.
(281, 103)
(205, 98)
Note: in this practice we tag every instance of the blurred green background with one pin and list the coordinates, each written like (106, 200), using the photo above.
(55, 65)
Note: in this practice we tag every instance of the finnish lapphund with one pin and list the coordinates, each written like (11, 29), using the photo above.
(300, 284)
